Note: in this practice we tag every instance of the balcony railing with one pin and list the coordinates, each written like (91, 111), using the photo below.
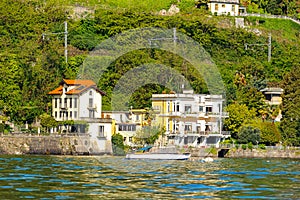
(201, 133)
(195, 114)
(170, 114)
(92, 107)
(63, 106)
(101, 136)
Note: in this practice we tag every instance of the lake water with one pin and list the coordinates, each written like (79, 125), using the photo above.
(60, 177)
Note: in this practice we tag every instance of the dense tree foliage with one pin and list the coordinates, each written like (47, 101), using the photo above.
(249, 134)
(238, 115)
(275, 7)
(117, 144)
(291, 107)
(148, 135)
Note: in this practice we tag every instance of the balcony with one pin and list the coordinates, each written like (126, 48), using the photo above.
(201, 133)
(204, 133)
(171, 114)
(213, 114)
(92, 107)
(190, 114)
(101, 136)
(63, 106)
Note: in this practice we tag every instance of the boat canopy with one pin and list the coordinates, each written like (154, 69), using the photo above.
(147, 148)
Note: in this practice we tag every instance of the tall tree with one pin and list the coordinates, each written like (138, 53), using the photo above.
(290, 124)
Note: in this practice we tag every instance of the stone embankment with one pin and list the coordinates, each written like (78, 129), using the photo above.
(55, 145)
(270, 152)
(264, 153)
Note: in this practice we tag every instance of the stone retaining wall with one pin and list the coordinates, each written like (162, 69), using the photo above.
(56, 145)
(260, 153)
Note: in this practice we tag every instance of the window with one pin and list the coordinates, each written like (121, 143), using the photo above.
(75, 114)
(65, 102)
(200, 108)
(177, 107)
(91, 93)
(208, 109)
(167, 126)
(124, 139)
(70, 102)
(55, 114)
(137, 117)
(120, 128)
(70, 114)
(233, 8)
(59, 103)
(207, 128)
(101, 131)
(188, 127)
(133, 127)
(55, 102)
(130, 139)
(187, 108)
(91, 114)
(156, 108)
(60, 114)
(223, 5)
(75, 103)
(216, 7)
(90, 102)
(198, 129)
(127, 127)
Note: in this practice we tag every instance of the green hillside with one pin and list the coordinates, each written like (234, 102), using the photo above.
(32, 65)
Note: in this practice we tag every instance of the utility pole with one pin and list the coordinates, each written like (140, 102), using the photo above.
(174, 38)
(66, 39)
(269, 48)
(269, 44)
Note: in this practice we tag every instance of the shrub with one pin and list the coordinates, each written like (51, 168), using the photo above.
(237, 146)
(117, 144)
(262, 146)
(212, 150)
(248, 134)
(250, 146)
(244, 146)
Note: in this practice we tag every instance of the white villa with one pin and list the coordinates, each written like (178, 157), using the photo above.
(224, 7)
(81, 100)
(191, 119)
(76, 100)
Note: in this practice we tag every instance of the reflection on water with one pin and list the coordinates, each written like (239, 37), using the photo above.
(55, 177)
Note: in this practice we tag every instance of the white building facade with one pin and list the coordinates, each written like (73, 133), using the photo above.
(127, 123)
(224, 7)
(76, 100)
(81, 101)
(191, 119)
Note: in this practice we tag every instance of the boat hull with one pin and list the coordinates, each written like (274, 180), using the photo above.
(159, 156)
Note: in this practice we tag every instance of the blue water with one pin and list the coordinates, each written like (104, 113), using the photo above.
(59, 177)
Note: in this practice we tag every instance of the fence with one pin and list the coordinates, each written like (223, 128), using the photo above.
(270, 16)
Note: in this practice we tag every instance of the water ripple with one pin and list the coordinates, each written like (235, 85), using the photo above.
(57, 177)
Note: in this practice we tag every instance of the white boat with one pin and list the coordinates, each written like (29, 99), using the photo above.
(159, 156)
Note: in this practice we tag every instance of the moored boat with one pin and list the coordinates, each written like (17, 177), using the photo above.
(159, 156)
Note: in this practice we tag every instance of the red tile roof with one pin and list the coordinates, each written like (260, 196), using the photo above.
(57, 91)
(80, 87)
